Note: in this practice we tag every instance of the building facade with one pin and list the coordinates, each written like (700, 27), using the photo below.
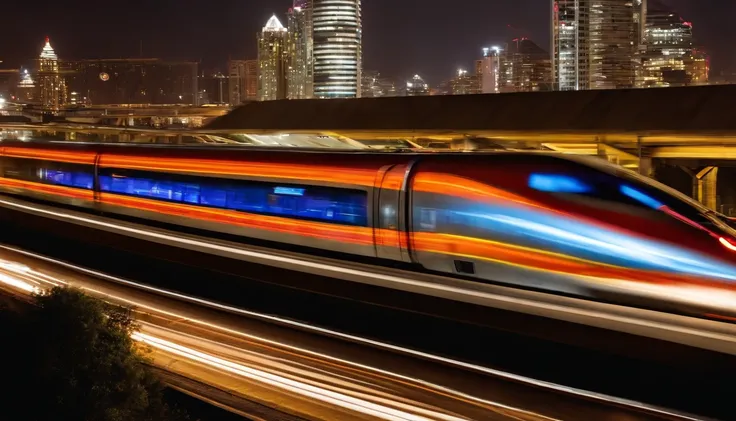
(416, 86)
(242, 81)
(525, 67)
(213, 89)
(300, 77)
(488, 70)
(337, 42)
(465, 83)
(374, 85)
(670, 58)
(26, 91)
(137, 81)
(596, 43)
(51, 85)
(273, 61)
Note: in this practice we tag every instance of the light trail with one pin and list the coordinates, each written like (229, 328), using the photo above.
(386, 407)
(322, 331)
(324, 395)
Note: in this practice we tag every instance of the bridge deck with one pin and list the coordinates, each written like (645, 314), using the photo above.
(681, 110)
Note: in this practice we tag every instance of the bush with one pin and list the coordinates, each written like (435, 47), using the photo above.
(71, 358)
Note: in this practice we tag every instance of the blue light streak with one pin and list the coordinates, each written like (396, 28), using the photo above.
(555, 183)
(641, 197)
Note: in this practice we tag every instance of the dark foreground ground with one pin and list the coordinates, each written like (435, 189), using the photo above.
(197, 409)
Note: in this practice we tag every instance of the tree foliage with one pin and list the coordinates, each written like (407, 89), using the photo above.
(71, 357)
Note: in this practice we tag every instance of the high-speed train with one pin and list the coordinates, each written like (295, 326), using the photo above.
(546, 221)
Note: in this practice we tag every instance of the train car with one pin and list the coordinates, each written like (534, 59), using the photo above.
(547, 221)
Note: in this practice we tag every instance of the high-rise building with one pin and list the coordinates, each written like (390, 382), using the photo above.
(135, 81)
(670, 58)
(374, 85)
(213, 88)
(416, 86)
(300, 78)
(595, 43)
(488, 69)
(51, 84)
(698, 68)
(465, 83)
(525, 67)
(338, 55)
(243, 81)
(273, 61)
(26, 92)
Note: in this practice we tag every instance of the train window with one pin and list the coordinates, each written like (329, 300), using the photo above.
(661, 194)
(595, 187)
(57, 173)
(77, 179)
(558, 183)
(342, 206)
(640, 197)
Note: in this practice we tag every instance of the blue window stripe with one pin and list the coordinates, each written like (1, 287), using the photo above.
(317, 203)
(78, 179)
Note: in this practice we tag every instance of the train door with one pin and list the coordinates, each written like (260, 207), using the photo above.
(390, 228)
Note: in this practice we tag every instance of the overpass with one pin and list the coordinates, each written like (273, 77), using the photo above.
(682, 136)
(132, 116)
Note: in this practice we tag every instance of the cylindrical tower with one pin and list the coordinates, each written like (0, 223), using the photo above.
(337, 37)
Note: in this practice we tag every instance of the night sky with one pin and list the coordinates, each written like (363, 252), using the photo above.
(401, 37)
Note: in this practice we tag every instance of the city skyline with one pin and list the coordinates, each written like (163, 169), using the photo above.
(433, 42)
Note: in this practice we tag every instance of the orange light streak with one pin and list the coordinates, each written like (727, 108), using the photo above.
(299, 172)
(465, 188)
(285, 225)
(71, 192)
(51, 155)
(540, 260)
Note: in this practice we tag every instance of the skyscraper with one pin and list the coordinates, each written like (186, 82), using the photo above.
(670, 58)
(273, 61)
(465, 83)
(525, 67)
(50, 83)
(300, 78)
(26, 91)
(488, 69)
(416, 86)
(337, 37)
(243, 83)
(375, 86)
(595, 43)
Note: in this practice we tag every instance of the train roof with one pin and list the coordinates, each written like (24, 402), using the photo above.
(278, 149)
(590, 161)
